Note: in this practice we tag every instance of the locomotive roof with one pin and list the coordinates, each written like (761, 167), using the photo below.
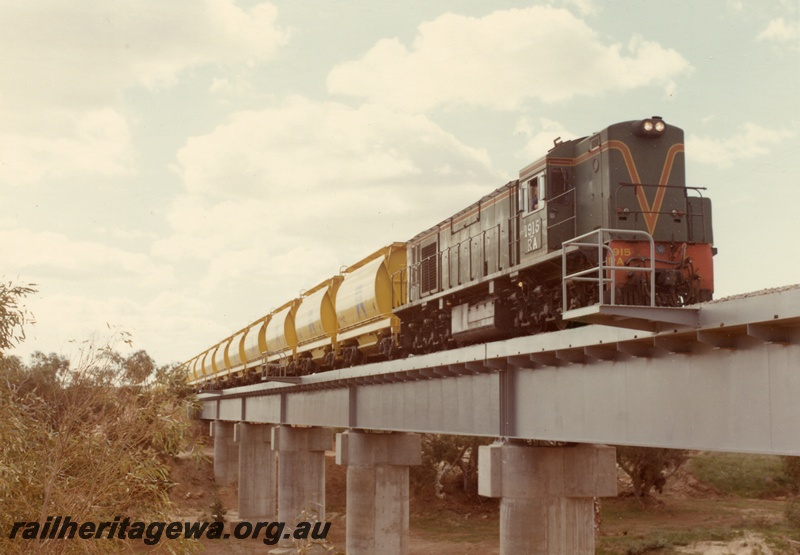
(561, 153)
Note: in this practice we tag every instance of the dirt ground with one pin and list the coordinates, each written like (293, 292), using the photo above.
(747, 545)
(195, 492)
(459, 525)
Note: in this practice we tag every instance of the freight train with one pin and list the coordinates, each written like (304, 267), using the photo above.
(607, 218)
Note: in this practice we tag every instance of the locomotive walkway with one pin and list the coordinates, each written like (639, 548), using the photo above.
(723, 375)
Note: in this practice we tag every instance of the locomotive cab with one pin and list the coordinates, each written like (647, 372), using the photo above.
(547, 202)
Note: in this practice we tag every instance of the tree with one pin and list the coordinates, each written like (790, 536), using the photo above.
(649, 467)
(134, 369)
(43, 374)
(13, 315)
(91, 440)
(443, 455)
(138, 367)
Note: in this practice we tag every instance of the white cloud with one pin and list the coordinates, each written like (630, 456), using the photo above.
(84, 54)
(316, 148)
(94, 141)
(501, 61)
(65, 67)
(541, 136)
(234, 89)
(780, 31)
(584, 7)
(319, 172)
(52, 257)
(753, 140)
(272, 274)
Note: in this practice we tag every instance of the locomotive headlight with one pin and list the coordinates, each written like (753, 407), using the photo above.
(649, 128)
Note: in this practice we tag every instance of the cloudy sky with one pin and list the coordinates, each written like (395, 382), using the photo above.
(178, 169)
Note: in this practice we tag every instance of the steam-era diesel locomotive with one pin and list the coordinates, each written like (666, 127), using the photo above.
(606, 219)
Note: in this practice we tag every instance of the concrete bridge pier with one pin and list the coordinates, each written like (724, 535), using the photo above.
(226, 452)
(301, 472)
(377, 489)
(547, 505)
(257, 472)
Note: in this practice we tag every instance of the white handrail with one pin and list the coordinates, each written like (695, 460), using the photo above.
(599, 273)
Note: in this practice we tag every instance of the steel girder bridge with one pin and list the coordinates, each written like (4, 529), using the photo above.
(724, 375)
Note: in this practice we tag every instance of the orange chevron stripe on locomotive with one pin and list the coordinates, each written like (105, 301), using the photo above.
(650, 212)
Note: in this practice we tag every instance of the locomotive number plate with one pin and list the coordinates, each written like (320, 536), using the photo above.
(531, 234)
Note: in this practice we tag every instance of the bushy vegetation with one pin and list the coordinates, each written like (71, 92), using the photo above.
(91, 440)
(447, 459)
(13, 314)
(649, 468)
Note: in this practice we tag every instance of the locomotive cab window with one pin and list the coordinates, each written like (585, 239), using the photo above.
(533, 194)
